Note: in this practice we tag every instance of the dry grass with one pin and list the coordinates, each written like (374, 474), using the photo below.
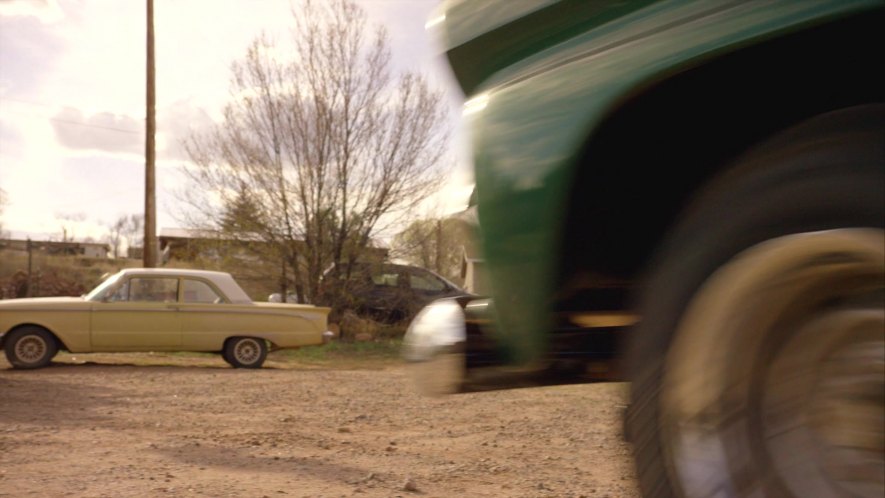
(53, 275)
(333, 356)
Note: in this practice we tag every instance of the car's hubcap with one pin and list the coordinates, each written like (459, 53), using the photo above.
(775, 384)
(30, 348)
(830, 402)
(247, 351)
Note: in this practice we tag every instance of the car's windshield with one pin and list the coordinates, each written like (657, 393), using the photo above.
(99, 292)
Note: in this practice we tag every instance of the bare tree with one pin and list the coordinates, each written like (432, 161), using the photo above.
(133, 230)
(69, 222)
(125, 232)
(436, 244)
(330, 146)
(116, 234)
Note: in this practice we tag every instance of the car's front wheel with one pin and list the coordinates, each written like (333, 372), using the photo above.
(245, 352)
(30, 347)
(759, 365)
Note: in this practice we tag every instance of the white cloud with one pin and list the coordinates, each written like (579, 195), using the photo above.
(102, 132)
(46, 11)
(67, 61)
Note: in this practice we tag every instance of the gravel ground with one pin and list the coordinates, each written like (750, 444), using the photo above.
(154, 425)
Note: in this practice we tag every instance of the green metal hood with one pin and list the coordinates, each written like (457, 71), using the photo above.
(483, 36)
(540, 77)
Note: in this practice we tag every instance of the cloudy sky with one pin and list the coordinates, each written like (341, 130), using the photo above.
(72, 99)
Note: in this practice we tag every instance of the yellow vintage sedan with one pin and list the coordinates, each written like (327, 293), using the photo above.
(158, 310)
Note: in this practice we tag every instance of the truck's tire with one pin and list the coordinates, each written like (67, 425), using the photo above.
(758, 368)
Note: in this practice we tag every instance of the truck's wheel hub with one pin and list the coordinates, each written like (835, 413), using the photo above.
(776, 379)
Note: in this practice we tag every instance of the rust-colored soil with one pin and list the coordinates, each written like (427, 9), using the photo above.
(143, 425)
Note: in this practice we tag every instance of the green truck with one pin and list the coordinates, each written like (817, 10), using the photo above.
(689, 195)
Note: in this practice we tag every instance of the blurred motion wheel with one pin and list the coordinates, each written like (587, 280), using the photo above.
(245, 352)
(30, 347)
(759, 366)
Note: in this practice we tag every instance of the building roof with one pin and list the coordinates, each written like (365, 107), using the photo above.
(22, 244)
(189, 233)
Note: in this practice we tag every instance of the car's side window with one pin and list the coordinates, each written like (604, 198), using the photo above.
(386, 279)
(194, 291)
(121, 294)
(155, 290)
(426, 283)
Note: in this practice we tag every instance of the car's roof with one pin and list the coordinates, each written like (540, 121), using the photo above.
(176, 271)
(397, 266)
(387, 265)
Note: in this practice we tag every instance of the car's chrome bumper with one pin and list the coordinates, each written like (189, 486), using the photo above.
(452, 346)
(435, 344)
(328, 336)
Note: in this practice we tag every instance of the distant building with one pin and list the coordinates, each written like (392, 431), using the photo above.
(69, 248)
(185, 244)
(473, 271)
(474, 274)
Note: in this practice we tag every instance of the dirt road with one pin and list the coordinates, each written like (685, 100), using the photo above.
(130, 425)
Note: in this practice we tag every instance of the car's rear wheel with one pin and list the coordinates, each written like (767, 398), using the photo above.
(245, 352)
(30, 347)
(759, 365)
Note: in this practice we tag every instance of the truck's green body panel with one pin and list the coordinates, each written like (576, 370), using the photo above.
(540, 77)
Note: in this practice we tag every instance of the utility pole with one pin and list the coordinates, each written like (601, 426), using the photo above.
(150, 206)
(439, 249)
(30, 247)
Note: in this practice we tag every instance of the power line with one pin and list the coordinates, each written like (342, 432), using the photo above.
(110, 128)
(30, 102)
(68, 121)
(40, 104)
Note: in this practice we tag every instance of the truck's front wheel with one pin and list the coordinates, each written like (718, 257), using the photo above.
(759, 365)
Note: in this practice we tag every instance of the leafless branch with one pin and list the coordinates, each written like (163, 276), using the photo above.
(326, 142)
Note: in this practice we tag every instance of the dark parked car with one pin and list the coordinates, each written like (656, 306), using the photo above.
(386, 292)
